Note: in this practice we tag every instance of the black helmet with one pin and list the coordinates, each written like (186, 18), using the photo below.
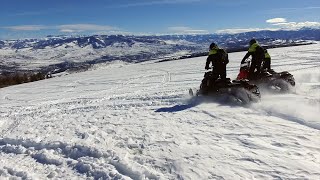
(252, 41)
(212, 45)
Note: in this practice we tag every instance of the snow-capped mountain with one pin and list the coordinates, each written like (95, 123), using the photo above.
(65, 52)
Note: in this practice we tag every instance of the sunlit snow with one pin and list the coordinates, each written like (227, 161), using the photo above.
(136, 121)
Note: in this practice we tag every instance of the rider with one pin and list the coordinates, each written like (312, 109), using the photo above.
(257, 53)
(219, 59)
(267, 61)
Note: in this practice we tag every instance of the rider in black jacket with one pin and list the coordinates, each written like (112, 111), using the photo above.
(257, 53)
(219, 59)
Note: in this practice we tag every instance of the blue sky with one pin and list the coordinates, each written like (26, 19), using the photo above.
(38, 18)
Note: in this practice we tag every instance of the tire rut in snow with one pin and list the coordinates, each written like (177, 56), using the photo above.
(85, 160)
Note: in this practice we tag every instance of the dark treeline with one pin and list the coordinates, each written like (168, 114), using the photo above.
(19, 78)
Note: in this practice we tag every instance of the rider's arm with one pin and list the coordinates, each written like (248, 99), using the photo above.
(246, 57)
(208, 62)
(251, 51)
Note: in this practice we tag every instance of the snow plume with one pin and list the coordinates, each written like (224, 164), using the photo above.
(302, 106)
(298, 110)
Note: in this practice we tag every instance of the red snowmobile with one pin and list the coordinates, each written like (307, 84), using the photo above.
(268, 79)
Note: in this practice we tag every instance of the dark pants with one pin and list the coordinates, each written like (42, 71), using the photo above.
(255, 65)
(219, 71)
(267, 64)
(209, 82)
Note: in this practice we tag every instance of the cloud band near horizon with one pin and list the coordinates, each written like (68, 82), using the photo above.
(63, 28)
(276, 23)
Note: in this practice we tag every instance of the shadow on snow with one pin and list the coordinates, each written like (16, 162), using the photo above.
(222, 100)
(193, 102)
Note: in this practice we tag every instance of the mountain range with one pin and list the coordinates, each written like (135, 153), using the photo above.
(60, 53)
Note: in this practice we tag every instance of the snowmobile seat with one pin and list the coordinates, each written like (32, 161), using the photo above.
(271, 71)
(265, 74)
(223, 81)
(240, 80)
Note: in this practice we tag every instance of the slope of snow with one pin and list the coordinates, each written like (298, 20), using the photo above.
(135, 121)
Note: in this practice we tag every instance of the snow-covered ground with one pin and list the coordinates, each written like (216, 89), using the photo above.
(136, 121)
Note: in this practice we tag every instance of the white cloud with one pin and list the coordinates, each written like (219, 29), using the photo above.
(67, 28)
(298, 25)
(276, 20)
(84, 27)
(278, 23)
(282, 23)
(242, 30)
(186, 30)
(26, 27)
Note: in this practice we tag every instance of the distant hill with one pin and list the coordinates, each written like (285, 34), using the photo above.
(61, 53)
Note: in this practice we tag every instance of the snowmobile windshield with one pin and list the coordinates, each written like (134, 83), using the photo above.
(245, 65)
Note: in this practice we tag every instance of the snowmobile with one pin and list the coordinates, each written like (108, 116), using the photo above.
(268, 79)
(240, 90)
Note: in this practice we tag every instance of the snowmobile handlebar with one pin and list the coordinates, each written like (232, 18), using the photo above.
(246, 60)
(208, 68)
(245, 64)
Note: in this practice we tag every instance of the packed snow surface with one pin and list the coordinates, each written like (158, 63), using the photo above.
(136, 121)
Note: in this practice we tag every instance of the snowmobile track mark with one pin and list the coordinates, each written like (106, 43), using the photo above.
(10, 126)
(85, 160)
